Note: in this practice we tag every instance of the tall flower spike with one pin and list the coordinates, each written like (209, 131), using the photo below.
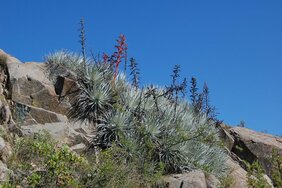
(120, 53)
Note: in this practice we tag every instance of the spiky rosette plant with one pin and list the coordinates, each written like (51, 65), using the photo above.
(64, 63)
(68, 59)
(95, 95)
(211, 159)
(93, 102)
(113, 130)
(161, 135)
(149, 123)
(102, 71)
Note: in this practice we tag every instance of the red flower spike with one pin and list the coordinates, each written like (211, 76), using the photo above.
(121, 52)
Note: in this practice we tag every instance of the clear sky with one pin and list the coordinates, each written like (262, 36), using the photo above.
(235, 46)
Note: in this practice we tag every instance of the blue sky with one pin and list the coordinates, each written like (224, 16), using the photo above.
(235, 46)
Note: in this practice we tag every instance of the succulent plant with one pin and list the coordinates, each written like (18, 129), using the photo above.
(147, 123)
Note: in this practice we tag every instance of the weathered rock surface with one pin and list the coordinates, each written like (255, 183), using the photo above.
(225, 136)
(37, 101)
(193, 179)
(10, 59)
(238, 175)
(268, 180)
(212, 181)
(2, 145)
(42, 116)
(79, 148)
(30, 86)
(250, 146)
(5, 112)
(78, 135)
(4, 172)
(5, 152)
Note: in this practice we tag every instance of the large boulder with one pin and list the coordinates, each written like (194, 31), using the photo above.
(31, 86)
(193, 179)
(31, 89)
(250, 146)
(40, 100)
(58, 131)
(237, 175)
(77, 135)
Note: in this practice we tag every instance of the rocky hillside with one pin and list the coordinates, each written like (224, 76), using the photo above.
(32, 101)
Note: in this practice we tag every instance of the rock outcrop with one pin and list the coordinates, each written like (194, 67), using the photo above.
(36, 102)
(250, 146)
(32, 88)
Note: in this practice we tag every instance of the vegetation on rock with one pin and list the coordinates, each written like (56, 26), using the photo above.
(276, 169)
(255, 176)
(39, 161)
(152, 125)
(142, 132)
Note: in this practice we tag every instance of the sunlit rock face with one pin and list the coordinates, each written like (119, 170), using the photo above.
(29, 97)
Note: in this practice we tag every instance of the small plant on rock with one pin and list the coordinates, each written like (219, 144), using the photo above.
(255, 176)
(276, 169)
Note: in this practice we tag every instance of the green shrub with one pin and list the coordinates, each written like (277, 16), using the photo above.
(40, 162)
(255, 175)
(165, 127)
(226, 182)
(117, 169)
(276, 168)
